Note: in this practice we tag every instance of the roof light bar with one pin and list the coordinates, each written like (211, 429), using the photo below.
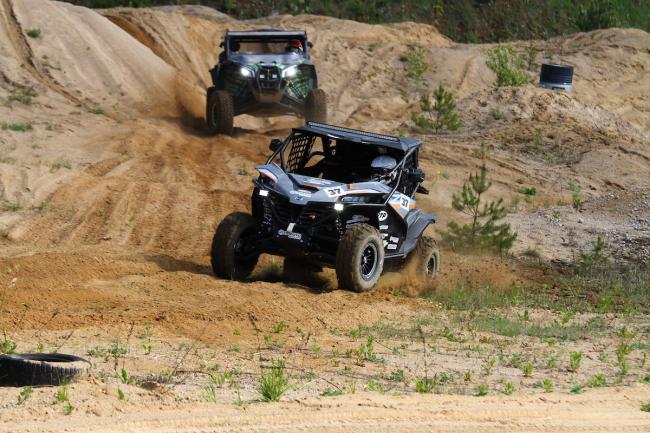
(354, 131)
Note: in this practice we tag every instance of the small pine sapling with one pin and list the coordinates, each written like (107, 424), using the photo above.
(441, 114)
(484, 232)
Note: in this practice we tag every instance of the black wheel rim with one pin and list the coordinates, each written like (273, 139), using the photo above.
(432, 265)
(368, 261)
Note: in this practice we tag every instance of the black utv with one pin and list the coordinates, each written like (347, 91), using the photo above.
(264, 73)
(335, 197)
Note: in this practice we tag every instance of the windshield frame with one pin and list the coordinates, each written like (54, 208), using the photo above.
(265, 40)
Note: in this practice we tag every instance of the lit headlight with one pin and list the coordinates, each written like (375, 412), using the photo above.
(290, 72)
(264, 192)
(245, 72)
(338, 207)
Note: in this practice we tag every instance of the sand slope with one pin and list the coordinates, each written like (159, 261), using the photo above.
(109, 199)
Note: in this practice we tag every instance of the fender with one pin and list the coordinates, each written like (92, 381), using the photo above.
(417, 221)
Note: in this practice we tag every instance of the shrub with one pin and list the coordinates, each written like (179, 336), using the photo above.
(591, 263)
(483, 232)
(22, 94)
(425, 386)
(415, 64)
(442, 114)
(7, 346)
(274, 382)
(576, 199)
(19, 127)
(575, 358)
(481, 390)
(507, 65)
(25, 393)
(34, 33)
(576, 388)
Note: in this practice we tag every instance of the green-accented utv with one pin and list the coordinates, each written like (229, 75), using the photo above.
(264, 73)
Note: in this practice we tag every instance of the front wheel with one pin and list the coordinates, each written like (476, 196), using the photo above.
(219, 112)
(316, 106)
(359, 258)
(231, 255)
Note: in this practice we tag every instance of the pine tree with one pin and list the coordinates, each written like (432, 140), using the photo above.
(484, 232)
(442, 114)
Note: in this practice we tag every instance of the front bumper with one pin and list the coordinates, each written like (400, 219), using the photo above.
(312, 228)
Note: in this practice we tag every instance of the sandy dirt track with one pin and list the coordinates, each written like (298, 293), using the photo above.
(611, 411)
(109, 200)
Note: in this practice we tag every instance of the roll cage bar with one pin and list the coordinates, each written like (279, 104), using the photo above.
(266, 36)
(399, 169)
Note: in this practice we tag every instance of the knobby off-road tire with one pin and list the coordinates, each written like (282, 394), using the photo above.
(424, 260)
(219, 112)
(316, 106)
(360, 244)
(34, 369)
(225, 253)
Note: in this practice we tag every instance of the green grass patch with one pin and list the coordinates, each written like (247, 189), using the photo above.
(19, 127)
(34, 33)
(274, 381)
(22, 94)
(501, 325)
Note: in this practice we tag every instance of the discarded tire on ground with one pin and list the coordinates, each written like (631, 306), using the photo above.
(33, 369)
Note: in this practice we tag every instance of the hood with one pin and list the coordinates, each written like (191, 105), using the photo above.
(281, 60)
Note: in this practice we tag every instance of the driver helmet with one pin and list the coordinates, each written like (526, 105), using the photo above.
(294, 46)
(381, 166)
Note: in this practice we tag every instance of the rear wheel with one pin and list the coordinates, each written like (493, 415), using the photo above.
(359, 258)
(231, 254)
(425, 260)
(316, 106)
(219, 112)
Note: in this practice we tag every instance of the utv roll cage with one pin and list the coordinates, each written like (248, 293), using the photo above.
(265, 36)
(302, 139)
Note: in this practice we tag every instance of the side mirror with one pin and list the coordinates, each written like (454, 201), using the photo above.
(310, 45)
(275, 144)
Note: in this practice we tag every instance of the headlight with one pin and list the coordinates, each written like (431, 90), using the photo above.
(338, 207)
(245, 72)
(290, 72)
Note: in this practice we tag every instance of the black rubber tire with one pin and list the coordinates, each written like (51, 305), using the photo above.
(349, 258)
(223, 254)
(556, 74)
(36, 369)
(219, 112)
(295, 270)
(424, 260)
(316, 106)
